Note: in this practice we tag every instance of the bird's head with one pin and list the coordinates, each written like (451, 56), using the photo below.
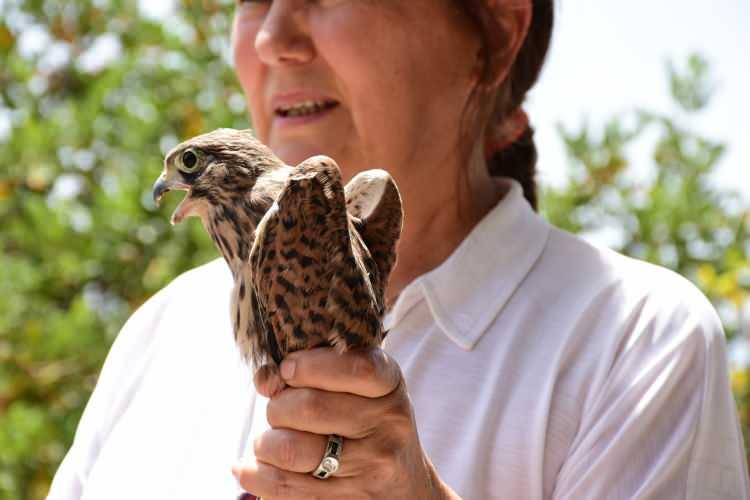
(213, 168)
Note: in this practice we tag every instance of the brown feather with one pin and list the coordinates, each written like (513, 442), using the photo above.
(310, 258)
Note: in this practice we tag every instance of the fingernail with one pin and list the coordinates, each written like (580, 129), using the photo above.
(287, 368)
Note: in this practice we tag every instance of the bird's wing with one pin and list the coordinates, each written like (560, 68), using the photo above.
(373, 198)
(255, 335)
(313, 289)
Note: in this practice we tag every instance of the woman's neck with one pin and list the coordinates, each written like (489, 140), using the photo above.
(438, 219)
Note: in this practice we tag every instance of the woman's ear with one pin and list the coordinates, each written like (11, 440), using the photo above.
(514, 20)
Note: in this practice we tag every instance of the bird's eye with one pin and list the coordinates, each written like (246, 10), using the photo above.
(189, 161)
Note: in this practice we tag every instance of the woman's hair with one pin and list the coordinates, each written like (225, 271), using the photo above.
(518, 160)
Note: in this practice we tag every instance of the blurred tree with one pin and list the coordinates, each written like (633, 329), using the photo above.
(673, 216)
(93, 92)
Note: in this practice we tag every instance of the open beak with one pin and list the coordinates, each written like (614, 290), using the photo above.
(163, 185)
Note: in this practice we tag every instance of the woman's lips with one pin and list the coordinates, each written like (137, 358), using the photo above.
(287, 119)
(305, 108)
(299, 108)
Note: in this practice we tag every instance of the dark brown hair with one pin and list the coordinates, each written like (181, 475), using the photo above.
(501, 97)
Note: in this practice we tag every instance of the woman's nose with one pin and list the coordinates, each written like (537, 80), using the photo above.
(284, 36)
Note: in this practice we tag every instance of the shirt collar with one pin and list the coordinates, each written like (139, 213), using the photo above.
(468, 290)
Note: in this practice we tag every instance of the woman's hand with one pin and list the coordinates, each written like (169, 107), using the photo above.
(360, 396)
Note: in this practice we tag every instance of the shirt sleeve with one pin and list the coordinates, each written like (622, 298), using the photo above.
(118, 380)
(663, 425)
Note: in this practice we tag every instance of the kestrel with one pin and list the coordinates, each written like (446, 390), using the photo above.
(310, 257)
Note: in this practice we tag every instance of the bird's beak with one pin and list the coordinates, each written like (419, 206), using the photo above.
(169, 181)
(166, 183)
(161, 186)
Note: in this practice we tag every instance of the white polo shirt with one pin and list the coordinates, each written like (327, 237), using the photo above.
(540, 367)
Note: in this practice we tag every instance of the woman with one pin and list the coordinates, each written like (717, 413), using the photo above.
(521, 362)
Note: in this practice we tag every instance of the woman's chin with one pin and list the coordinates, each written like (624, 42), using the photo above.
(293, 153)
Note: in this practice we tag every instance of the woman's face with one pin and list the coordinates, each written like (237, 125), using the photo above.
(371, 83)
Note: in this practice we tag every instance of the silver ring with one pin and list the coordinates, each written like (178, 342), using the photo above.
(331, 458)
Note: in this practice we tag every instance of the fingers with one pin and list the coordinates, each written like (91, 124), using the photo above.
(302, 452)
(358, 395)
(269, 482)
(290, 450)
(371, 373)
(319, 412)
(323, 412)
(267, 381)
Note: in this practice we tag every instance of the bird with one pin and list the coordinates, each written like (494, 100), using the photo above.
(310, 256)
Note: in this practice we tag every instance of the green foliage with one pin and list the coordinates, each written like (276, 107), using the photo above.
(674, 216)
(81, 244)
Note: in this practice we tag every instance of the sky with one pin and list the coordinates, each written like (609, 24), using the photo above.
(608, 57)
